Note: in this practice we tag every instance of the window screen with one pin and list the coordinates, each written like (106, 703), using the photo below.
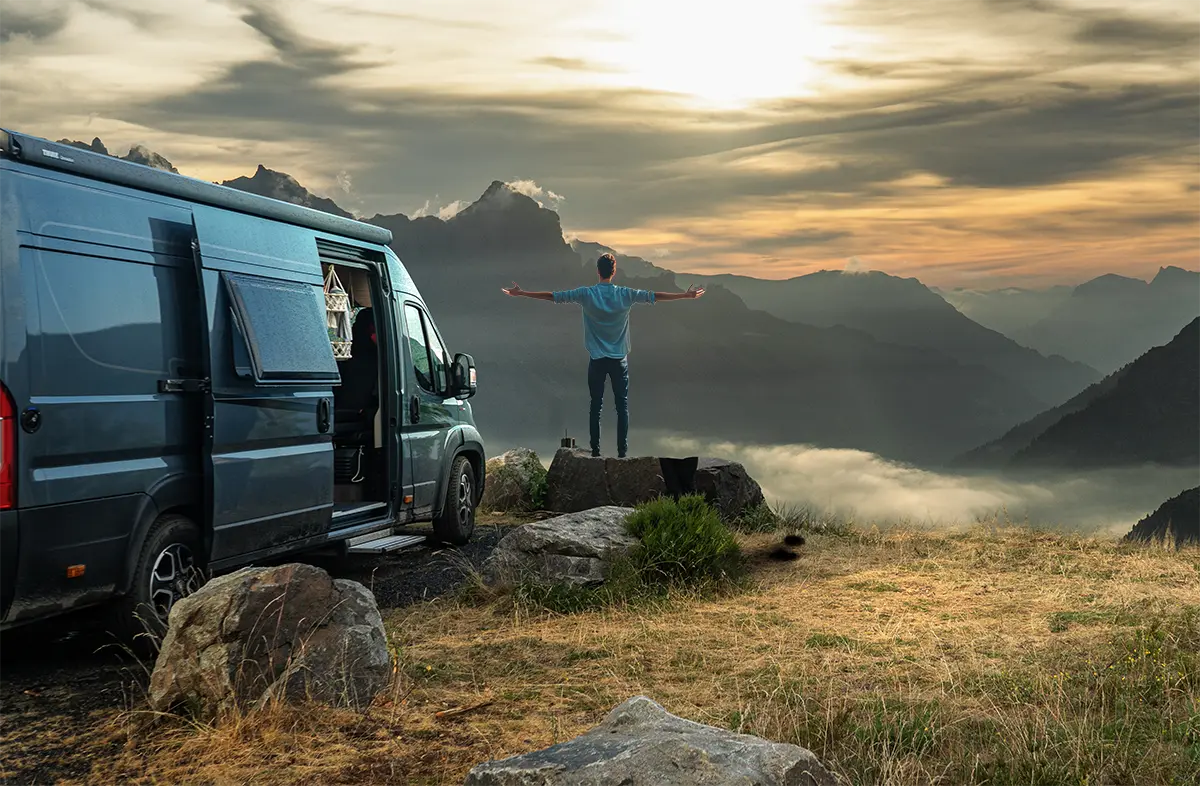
(283, 326)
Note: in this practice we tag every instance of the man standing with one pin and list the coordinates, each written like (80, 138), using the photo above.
(606, 336)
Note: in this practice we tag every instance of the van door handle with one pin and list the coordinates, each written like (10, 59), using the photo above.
(323, 416)
(414, 409)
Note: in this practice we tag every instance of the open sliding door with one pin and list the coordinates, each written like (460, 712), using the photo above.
(268, 454)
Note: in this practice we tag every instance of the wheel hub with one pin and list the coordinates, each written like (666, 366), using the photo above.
(174, 576)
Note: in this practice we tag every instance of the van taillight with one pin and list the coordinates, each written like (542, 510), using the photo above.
(8, 451)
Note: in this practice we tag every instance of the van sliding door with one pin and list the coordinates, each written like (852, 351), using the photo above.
(269, 453)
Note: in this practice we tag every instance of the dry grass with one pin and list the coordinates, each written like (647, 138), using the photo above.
(996, 655)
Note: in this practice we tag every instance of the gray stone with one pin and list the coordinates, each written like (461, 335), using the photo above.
(641, 744)
(727, 486)
(511, 479)
(575, 548)
(288, 632)
(576, 482)
(632, 481)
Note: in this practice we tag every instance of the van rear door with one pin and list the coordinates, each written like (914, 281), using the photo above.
(269, 419)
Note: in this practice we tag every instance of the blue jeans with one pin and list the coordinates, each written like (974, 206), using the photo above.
(598, 370)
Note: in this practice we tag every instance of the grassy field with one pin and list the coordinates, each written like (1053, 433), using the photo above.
(995, 655)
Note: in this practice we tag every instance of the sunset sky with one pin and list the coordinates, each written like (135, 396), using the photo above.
(974, 143)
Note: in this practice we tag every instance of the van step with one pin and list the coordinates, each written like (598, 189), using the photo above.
(386, 543)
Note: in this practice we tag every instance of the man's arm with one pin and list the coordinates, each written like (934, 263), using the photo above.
(691, 294)
(516, 291)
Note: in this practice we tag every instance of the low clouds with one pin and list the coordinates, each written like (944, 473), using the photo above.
(1029, 97)
(870, 489)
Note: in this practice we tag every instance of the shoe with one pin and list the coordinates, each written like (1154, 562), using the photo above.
(620, 455)
(595, 454)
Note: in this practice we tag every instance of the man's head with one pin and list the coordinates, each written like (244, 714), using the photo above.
(606, 266)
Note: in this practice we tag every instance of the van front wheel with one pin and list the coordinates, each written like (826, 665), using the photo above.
(457, 520)
(169, 568)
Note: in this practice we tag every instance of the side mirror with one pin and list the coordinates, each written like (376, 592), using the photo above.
(462, 372)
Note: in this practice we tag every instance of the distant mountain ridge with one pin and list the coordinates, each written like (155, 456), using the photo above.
(904, 311)
(1147, 412)
(1110, 320)
(1176, 520)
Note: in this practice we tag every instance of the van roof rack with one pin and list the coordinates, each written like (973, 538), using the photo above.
(54, 155)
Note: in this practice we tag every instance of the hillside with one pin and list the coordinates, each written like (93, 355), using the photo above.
(994, 656)
(904, 311)
(1175, 521)
(1110, 320)
(1000, 451)
(1148, 412)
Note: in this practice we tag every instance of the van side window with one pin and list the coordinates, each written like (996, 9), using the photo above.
(429, 355)
(282, 325)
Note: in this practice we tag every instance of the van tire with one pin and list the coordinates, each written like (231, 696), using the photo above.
(169, 567)
(457, 520)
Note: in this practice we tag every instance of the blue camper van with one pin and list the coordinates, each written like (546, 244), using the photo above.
(174, 402)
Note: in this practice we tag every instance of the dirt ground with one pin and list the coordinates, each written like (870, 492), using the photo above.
(58, 678)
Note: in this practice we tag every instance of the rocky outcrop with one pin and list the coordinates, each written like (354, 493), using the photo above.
(641, 744)
(577, 482)
(727, 487)
(515, 482)
(1176, 520)
(288, 632)
(575, 549)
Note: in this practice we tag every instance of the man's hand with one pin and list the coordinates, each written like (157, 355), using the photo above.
(692, 293)
(516, 291)
(512, 291)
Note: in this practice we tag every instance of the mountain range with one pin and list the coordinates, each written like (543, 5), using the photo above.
(1105, 322)
(1147, 412)
(871, 362)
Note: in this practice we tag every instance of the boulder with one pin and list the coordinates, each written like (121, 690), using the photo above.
(727, 486)
(512, 480)
(577, 481)
(575, 549)
(641, 744)
(288, 632)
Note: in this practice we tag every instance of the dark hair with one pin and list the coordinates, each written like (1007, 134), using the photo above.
(605, 265)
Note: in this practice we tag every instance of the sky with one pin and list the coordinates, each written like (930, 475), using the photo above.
(969, 143)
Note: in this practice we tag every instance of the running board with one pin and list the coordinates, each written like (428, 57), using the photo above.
(385, 544)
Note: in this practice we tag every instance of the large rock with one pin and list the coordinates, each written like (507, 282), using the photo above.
(288, 632)
(512, 480)
(577, 481)
(727, 486)
(575, 549)
(641, 744)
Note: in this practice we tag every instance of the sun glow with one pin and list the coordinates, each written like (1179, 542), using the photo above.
(724, 55)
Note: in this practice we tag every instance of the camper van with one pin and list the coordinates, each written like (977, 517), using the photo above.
(193, 379)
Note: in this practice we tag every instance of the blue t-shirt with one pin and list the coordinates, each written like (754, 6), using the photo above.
(605, 316)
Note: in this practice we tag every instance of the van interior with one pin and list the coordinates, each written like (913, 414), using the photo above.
(359, 464)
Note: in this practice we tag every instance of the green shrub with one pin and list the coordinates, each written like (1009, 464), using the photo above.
(760, 518)
(684, 544)
(685, 547)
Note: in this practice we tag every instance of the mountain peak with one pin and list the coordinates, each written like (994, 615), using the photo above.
(1175, 276)
(282, 186)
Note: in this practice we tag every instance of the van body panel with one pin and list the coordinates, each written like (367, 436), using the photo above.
(269, 467)
(10, 542)
(93, 533)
